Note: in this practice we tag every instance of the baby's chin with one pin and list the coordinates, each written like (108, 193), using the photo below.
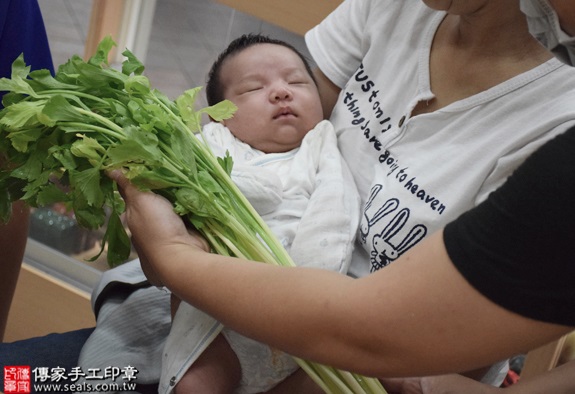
(279, 145)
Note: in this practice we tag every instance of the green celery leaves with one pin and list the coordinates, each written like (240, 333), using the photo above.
(60, 134)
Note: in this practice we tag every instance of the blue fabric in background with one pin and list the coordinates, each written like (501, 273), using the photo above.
(51, 351)
(22, 31)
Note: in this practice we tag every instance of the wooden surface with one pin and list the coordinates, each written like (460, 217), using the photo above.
(105, 20)
(43, 305)
(297, 16)
(568, 352)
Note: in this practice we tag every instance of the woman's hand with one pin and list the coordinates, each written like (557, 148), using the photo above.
(157, 231)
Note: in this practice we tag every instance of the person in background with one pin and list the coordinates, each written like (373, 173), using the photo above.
(21, 31)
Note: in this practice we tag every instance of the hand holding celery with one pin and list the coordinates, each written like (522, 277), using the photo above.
(61, 134)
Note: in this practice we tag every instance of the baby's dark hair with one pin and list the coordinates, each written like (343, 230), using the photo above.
(214, 88)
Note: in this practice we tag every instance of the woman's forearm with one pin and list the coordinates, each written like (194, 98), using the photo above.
(416, 317)
(392, 323)
(253, 297)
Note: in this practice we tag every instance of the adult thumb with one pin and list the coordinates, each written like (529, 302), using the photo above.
(123, 183)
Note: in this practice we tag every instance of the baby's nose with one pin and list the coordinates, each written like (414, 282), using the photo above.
(281, 93)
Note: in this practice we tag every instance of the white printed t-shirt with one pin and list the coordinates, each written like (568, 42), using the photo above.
(415, 174)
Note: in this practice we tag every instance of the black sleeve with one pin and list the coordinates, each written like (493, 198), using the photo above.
(518, 247)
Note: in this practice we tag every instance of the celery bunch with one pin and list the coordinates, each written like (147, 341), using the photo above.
(60, 134)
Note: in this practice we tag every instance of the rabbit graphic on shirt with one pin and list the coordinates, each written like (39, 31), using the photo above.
(387, 245)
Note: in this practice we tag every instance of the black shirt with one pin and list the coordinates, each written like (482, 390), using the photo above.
(518, 247)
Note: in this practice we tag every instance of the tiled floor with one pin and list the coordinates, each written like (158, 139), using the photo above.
(186, 37)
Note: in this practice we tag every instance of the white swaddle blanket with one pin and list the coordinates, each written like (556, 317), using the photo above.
(133, 318)
(308, 199)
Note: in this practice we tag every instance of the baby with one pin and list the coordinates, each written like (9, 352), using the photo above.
(287, 164)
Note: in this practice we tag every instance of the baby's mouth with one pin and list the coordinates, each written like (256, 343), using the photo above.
(284, 112)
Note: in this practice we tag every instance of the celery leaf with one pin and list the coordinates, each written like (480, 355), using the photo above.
(102, 52)
(24, 113)
(119, 245)
(88, 148)
(220, 111)
(132, 65)
(58, 109)
(87, 182)
(185, 104)
(138, 147)
(51, 194)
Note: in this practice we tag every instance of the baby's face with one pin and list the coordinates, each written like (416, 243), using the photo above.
(277, 100)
